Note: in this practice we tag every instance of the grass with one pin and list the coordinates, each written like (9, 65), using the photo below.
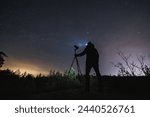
(58, 86)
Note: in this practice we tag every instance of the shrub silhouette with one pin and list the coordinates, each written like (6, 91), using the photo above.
(129, 68)
(2, 55)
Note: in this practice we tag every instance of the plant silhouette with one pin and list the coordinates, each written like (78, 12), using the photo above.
(92, 61)
(2, 55)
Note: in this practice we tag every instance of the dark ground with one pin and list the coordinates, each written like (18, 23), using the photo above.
(58, 87)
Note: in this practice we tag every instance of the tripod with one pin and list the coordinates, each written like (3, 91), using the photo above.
(75, 59)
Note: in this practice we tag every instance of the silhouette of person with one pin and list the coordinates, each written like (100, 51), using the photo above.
(92, 61)
(2, 55)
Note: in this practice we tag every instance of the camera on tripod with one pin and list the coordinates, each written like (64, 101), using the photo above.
(75, 59)
(76, 47)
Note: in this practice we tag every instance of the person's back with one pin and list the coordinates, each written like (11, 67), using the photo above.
(92, 55)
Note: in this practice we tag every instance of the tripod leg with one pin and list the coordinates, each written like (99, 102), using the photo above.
(72, 64)
(78, 67)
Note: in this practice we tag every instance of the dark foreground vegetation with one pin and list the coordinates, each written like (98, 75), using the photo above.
(57, 86)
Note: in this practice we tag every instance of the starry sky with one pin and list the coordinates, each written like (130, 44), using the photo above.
(38, 35)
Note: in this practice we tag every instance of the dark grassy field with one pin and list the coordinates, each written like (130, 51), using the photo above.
(58, 87)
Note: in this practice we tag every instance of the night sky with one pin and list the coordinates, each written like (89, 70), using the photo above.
(38, 35)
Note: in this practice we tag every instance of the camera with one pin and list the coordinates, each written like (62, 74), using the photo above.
(76, 47)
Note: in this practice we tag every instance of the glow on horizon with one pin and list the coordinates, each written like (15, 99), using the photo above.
(26, 67)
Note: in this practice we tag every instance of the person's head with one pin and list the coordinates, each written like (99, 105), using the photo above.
(90, 45)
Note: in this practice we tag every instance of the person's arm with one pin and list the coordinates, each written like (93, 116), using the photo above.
(81, 54)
